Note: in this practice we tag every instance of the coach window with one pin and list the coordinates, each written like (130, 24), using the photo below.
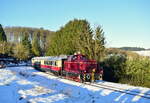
(49, 62)
(54, 63)
(46, 62)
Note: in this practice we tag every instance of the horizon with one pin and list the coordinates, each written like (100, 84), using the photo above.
(125, 23)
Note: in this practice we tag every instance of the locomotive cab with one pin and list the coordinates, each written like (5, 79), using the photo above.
(79, 66)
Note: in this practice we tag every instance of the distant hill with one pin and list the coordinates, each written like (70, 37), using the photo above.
(14, 34)
(132, 48)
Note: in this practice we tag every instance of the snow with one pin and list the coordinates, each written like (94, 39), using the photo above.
(26, 85)
(51, 58)
(143, 53)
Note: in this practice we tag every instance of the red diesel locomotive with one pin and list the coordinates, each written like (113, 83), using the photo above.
(76, 67)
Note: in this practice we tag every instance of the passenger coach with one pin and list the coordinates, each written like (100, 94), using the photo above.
(76, 67)
(50, 63)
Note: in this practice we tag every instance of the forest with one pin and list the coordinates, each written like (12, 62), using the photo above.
(23, 42)
(119, 65)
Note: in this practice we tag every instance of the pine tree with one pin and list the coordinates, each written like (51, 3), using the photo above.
(20, 52)
(99, 44)
(75, 36)
(6, 47)
(2, 34)
(84, 40)
(26, 43)
(36, 45)
(65, 40)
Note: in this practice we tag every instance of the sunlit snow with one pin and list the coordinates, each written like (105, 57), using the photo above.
(26, 85)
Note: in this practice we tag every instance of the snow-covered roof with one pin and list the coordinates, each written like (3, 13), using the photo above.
(51, 58)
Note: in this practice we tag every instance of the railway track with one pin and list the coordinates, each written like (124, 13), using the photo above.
(108, 87)
(126, 91)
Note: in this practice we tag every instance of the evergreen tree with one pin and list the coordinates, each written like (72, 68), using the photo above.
(26, 43)
(77, 35)
(84, 41)
(65, 40)
(20, 52)
(6, 47)
(91, 43)
(2, 34)
(99, 44)
(36, 46)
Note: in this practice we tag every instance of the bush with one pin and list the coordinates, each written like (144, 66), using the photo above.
(137, 72)
(114, 67)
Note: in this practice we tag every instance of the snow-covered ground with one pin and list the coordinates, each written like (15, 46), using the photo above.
(26, 85)
(143, 53)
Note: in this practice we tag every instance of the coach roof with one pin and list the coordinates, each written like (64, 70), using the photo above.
(51, 58)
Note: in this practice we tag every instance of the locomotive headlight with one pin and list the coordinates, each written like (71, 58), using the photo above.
(93, 70)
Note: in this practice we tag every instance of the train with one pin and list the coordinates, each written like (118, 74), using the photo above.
(75, 67)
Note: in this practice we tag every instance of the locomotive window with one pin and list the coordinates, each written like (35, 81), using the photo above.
(53, 63)
(83, 58)
(74, 57)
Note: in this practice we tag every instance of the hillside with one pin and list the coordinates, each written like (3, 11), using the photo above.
(14, 34)
(132, 48)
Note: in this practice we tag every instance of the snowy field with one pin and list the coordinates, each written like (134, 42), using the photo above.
(143, 53)
(26, 85)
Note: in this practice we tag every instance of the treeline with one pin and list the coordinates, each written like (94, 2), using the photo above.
(132, 48)
(16, 34)
(23, 43)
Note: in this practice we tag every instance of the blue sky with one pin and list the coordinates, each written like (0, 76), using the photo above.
(125, 22)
